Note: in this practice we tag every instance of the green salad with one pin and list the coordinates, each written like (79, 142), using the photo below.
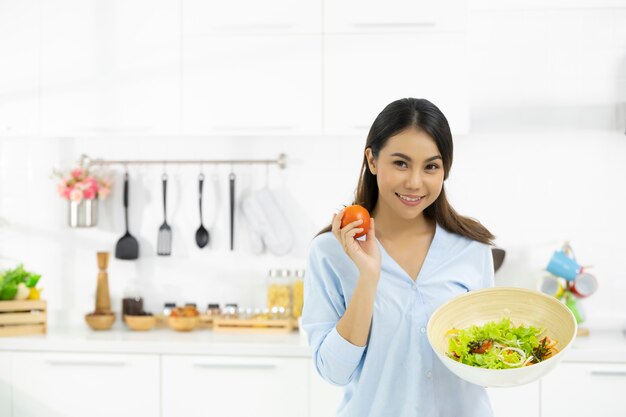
(500, 345)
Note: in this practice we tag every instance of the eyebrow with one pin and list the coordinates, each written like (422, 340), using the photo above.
(408, 158)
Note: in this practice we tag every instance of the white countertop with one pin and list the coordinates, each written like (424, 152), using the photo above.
(606, 343)
(159, 341)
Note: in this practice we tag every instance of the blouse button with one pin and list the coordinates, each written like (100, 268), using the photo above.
(423, 330)
(429, 374)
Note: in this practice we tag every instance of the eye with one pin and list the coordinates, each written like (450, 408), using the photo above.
(400, 164)
(432, 167)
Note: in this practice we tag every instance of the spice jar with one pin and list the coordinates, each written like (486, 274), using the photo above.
(279, 293)
(167, 308)
(213, 310)
(230, 311)
(298, 293)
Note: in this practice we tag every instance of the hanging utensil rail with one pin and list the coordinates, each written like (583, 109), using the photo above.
(281, 161)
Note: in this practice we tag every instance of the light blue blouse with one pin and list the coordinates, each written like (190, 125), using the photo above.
(396, 374)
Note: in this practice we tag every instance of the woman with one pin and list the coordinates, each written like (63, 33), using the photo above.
(367, 302)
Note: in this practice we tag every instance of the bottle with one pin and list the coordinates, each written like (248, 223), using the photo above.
(213, 310)
(297, 290)
(230, 311)
(167, 308)
(279, 293)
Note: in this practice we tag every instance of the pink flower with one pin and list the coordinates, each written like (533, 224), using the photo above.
(104, 192)
(79, 185)
(90, 193)
(78, 173)
(76, 195)
(93, 183)
(64, 191)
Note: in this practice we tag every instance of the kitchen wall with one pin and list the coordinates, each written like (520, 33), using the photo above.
(543, 163)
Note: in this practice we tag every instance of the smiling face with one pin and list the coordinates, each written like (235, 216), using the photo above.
(409, 173)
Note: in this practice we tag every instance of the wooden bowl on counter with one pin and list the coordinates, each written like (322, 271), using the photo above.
(100, 321)
(183, 324)
(140, 323)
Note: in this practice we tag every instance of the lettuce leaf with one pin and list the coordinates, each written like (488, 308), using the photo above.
(503, 334)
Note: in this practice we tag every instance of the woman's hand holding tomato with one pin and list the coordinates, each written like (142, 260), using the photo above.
(353, 222)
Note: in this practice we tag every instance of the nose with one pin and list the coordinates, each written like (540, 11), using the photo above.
(414, 180)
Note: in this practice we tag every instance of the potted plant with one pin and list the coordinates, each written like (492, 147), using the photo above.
(82, 190)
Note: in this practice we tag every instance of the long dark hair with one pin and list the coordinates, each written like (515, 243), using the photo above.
(421, 114)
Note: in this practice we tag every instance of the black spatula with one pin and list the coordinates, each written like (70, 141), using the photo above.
(127, 247)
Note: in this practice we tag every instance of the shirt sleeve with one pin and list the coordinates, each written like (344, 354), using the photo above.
(335, 359)
(488, 272)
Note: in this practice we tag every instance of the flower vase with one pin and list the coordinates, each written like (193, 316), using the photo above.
(83, 213)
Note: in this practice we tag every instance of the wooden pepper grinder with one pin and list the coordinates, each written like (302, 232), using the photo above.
(103, 301)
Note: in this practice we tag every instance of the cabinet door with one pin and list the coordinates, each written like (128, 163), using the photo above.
(80, 384)
(201, 17)
(393, 15)
(19, 52)
(583, 390)
(325, 397)
(363, 73)
(110, 67)
(5, 384)
(196, 386)
(252, 85)
(522, 401)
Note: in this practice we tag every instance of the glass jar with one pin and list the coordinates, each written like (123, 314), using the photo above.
(213, 310)
(230, 311)
(279, 293)
(167, 308)
(297, 289)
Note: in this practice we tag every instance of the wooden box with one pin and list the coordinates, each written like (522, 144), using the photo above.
(253, 325)
(19, 318)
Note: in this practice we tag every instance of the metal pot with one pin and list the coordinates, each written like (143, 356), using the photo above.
(83, 213)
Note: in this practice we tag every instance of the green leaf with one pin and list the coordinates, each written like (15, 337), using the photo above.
(32, 280)
(8, 292)
(501, 333)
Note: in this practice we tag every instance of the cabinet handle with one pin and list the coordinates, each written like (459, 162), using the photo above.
(260, 26)
(259, 366)
(252, 128)
(608, 373)
(406, 25)
(85, 363)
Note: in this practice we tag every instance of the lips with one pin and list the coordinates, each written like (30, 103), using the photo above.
(410, 198)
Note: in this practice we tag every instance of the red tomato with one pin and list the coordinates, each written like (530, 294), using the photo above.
(354, 213)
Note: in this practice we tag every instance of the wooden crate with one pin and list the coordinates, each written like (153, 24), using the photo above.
(19, 318)
(253, 325)
(205, 321)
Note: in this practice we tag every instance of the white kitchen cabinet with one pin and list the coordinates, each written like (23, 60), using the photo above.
(365, 72)
(195, 386)
(19, 79)
(584, 389)
(201, 17)
(110, 67)
(393, 16)
(82, 384)
(259, 85)
(325, 397)
(522, 401)
(6, 384)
